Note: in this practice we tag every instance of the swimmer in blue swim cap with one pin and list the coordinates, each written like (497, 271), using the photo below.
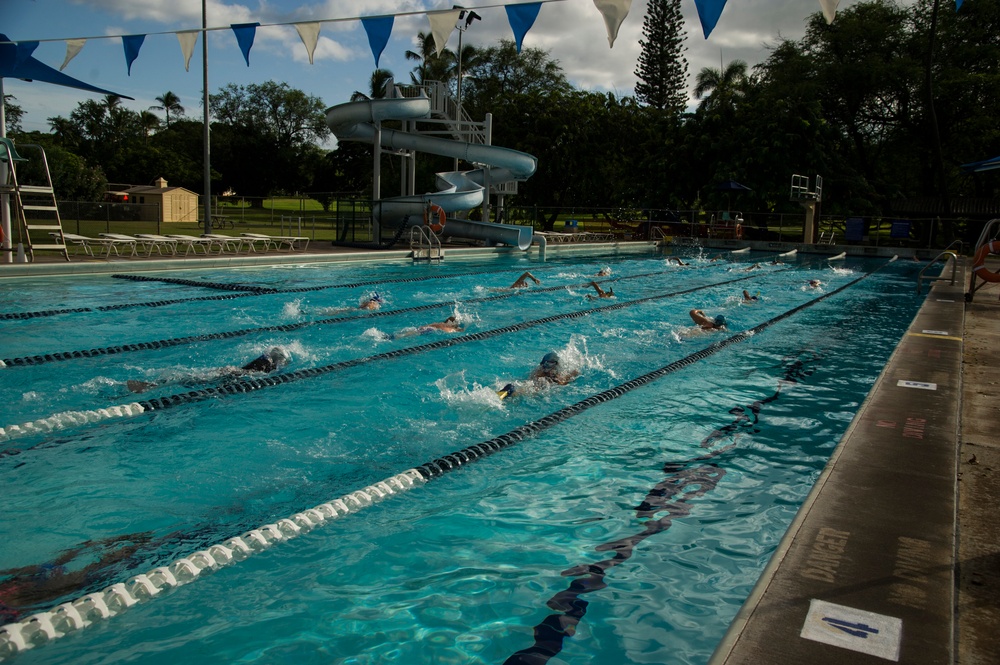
(549, 371)
(707, 323)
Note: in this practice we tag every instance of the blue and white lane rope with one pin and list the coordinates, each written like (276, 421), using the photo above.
(68, 617)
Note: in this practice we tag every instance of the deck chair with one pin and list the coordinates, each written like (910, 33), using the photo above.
(107, 245)
(280, 241)
(228, 243)
(854, 229)
(146, 242)
(193, 243)
(900, 230)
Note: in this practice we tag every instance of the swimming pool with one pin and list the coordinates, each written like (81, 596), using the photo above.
(623, 518)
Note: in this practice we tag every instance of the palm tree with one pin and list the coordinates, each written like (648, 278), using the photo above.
(432, 67)
(380, 77)
(718, 86)
(148, 122)
(169, 102)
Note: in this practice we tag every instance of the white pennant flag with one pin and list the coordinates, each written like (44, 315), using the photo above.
(73, 46)
(829, 9)
(309, 34)
(187, 38)
(614, 12)
(442, 25)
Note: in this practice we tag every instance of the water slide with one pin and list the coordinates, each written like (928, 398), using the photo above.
(459, 190)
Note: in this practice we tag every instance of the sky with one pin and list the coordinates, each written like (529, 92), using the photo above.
(572, 31)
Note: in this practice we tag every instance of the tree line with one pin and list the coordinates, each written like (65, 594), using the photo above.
(886, 103)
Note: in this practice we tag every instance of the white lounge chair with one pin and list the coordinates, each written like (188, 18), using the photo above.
(107, 245)
(281, 241)
(147, 241)
(192, 243)
(226, 242)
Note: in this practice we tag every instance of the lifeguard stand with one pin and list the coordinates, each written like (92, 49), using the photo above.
(809, 199)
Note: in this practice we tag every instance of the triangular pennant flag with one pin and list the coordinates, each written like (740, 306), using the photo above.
(132, 44)
(521, 18)
(245, 33)
(709, 12)
(830, 9)
(23, 51)
(614, 12)
(73, 46)
(378, 30)
(442, 25)
(958, 5)
(309, 34)
(187, 39)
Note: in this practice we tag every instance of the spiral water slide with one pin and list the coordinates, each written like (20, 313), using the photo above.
(459, 190)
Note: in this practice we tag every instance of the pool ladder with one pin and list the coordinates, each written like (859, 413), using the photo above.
(425, 245)
(945, 254)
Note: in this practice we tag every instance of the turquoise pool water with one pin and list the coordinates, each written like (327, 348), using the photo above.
(628, 529)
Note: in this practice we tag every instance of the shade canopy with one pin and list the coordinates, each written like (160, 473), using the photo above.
(984, 165)
(17, 62)
(732, 186)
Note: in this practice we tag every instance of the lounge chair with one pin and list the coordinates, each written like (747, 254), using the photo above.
(227, 243)
(192, 243)
(281, 241)
(107, 245)
(147, 241)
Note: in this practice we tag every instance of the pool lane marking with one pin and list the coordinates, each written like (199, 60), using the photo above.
(39, 359)
(63, 419)
(230, 296)
(75, 615)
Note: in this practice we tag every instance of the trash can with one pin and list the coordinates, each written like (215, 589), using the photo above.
(570, 225)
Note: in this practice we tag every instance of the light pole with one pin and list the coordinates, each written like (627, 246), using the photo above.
(465, 19)
(206, 134)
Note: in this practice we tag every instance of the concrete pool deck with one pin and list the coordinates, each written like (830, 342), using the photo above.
(895, 556)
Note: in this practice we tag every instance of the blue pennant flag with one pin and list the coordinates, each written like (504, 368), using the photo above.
(132, 44)
(245, 33)
(709, 12)
(521, 18)
(23, 52)
(378, 30)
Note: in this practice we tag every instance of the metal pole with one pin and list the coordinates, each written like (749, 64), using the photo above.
(207, 152)
(6, 249)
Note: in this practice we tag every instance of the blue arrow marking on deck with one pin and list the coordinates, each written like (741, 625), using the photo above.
(856, 629)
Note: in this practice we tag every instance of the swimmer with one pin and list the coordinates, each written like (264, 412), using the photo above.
(604, 272)
(749, 298)
(679, 262)
(547, 373)
(522, 281)
(449, 325)
(276, 358)
(753, 267)
(601, 293)
(705, 322)
(370, 303)
(815, 283)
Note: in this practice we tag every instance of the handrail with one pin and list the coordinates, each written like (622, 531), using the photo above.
(954, 265)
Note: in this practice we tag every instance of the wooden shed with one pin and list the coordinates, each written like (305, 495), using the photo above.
(172, 204)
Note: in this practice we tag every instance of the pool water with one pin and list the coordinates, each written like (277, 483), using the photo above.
(627, 530)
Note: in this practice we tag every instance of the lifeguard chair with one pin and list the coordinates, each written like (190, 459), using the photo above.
(33, 198)
(809, 198)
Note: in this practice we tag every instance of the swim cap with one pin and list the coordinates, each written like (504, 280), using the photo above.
(279, 356)
(376, 298)
(719, 321)
(550, 358)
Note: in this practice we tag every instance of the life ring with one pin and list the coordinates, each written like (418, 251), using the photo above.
(434, 217)
(979, 261)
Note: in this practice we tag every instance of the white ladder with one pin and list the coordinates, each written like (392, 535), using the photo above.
(35, 204)
(425, 244)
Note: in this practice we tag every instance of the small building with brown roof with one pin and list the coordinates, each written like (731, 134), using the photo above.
(174, 204)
